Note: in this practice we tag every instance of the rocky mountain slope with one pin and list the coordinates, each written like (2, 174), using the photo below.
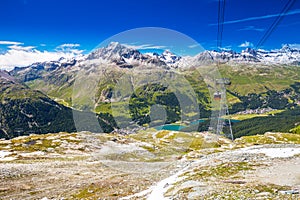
(150, 165)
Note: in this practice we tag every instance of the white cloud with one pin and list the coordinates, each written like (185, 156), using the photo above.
(75, 51)
(69, 48)
(22, 48)
(25, 55)
(144, 46)
(193, 46)
(10, 43)
(251, 28)
(227, 48)
(68, 45)
(295, 46)
(246, 44)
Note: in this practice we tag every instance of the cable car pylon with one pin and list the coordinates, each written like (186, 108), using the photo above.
(223, 111)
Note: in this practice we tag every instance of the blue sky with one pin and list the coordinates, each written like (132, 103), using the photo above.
(45, 25)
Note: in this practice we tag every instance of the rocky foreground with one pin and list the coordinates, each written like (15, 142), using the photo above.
(150, 165)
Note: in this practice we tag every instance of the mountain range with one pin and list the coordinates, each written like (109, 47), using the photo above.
(128, 57)
(121, 56)
(30, 93)
(285, 55)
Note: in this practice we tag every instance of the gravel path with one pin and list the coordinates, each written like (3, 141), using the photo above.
(279, 171)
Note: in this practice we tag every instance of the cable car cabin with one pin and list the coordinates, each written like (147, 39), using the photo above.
(217, 96)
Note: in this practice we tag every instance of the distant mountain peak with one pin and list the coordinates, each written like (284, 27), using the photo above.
(285, 55)
(113, 44)
(127, 57)
(113, 50)
(168, 57)
(285, 46)
(116, 47)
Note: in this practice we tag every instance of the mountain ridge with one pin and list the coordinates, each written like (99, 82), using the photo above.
(285, 55)
(128, 57)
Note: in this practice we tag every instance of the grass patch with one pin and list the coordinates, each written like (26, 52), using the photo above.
(223, 170)
(42, 142)
(296, 130)
(88, 192)
(162, 134)
(269, 138)
(249, 116)
(247, 79)
(35, 145)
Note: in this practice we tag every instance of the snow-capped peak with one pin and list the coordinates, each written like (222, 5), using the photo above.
(169, 57)
(285, 55)
(123, 55)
